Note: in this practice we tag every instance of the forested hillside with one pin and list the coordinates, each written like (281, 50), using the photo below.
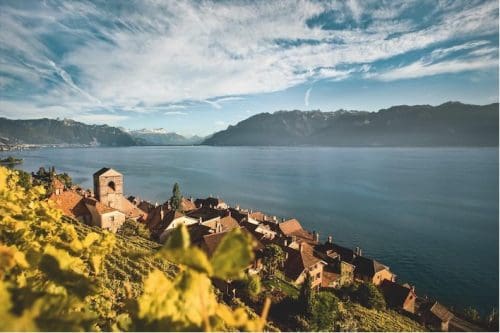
(449, 124)
(51, 131)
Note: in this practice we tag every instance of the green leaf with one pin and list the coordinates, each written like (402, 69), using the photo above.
(233, 255)
(178, 251)
(178, 239)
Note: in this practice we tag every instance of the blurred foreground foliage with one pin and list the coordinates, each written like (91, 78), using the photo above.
(57, 274)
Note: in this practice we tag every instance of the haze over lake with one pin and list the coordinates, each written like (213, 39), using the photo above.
(430, 214)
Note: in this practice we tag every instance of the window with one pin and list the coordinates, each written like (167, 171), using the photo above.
(112, 218)
(318, 276)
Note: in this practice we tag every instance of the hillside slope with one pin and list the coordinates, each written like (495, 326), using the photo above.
(51, 131)
(449, 124)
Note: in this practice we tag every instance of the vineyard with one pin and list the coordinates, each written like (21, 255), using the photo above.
(57, 274)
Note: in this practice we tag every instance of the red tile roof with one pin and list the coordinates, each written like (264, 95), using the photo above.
(292, 227)
(99, 207)
(299, 260)
(70, 203)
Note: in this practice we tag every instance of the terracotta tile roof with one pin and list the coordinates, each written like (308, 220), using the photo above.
(99, 207)
(298, 260)
(57, 184)
(292, 227)
(259, 216)
(329, 277)
(156, 224)
(439, 311)
(130, 209)
(187, 204)
(227, 223)
(395, 294)
(70, 203)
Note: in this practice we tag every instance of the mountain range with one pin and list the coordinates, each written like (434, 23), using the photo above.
(449, 124)
(69, 132)
(161, 137)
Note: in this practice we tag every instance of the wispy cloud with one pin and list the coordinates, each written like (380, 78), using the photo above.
(175, 113)
(306, 96)
(472, 58)
(68, 58)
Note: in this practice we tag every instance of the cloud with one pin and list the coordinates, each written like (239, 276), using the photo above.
(420, 68)
(68, 58)
(175, 113)
(175, 107)
(216, 103)
(474, 56)
(306, 96)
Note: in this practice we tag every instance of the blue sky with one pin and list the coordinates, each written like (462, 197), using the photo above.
(195, 67)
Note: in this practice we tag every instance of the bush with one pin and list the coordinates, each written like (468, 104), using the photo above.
(324, 312)
(370, 297)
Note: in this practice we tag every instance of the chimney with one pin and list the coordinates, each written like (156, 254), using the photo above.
(301, 246)
(237, 207)
(218, 227)
(191, 199)
(285, 242)
(162, 214)
(200, 220)
(316, 236)
(156, 204)
(330, 240)
(229, 213)
(360, 252)
(413, 289)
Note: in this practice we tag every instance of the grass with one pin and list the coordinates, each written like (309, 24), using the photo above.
(278, 283)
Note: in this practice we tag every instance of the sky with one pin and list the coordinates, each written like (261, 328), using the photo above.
(195, 67)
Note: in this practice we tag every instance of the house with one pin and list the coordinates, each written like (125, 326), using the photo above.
(211, 203)
(370, 270)
(57, 186)
(436, 316)
(365, 269)
(71, 204)
(302, 261)
(399, 296)
(187, 204)
(210, 243)
(104, 216)
(161, 221)
(206, 214)
(291, 229)
(108, 190)
(223, 224)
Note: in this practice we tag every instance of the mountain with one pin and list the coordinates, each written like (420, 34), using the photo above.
(51, 131)
(449, 124)
(160, 137)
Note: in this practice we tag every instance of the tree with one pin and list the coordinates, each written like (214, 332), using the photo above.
(273, 258)
(370, 297)
(176, 198)
(306, 296)
(253, 287)
(324, 312)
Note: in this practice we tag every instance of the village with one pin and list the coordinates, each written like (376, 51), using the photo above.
(328, 265)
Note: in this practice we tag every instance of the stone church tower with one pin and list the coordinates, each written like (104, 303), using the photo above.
(108, 187)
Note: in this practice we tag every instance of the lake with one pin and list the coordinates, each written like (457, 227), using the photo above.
(431, 214)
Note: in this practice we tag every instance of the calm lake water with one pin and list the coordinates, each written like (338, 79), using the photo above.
(431, 214)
